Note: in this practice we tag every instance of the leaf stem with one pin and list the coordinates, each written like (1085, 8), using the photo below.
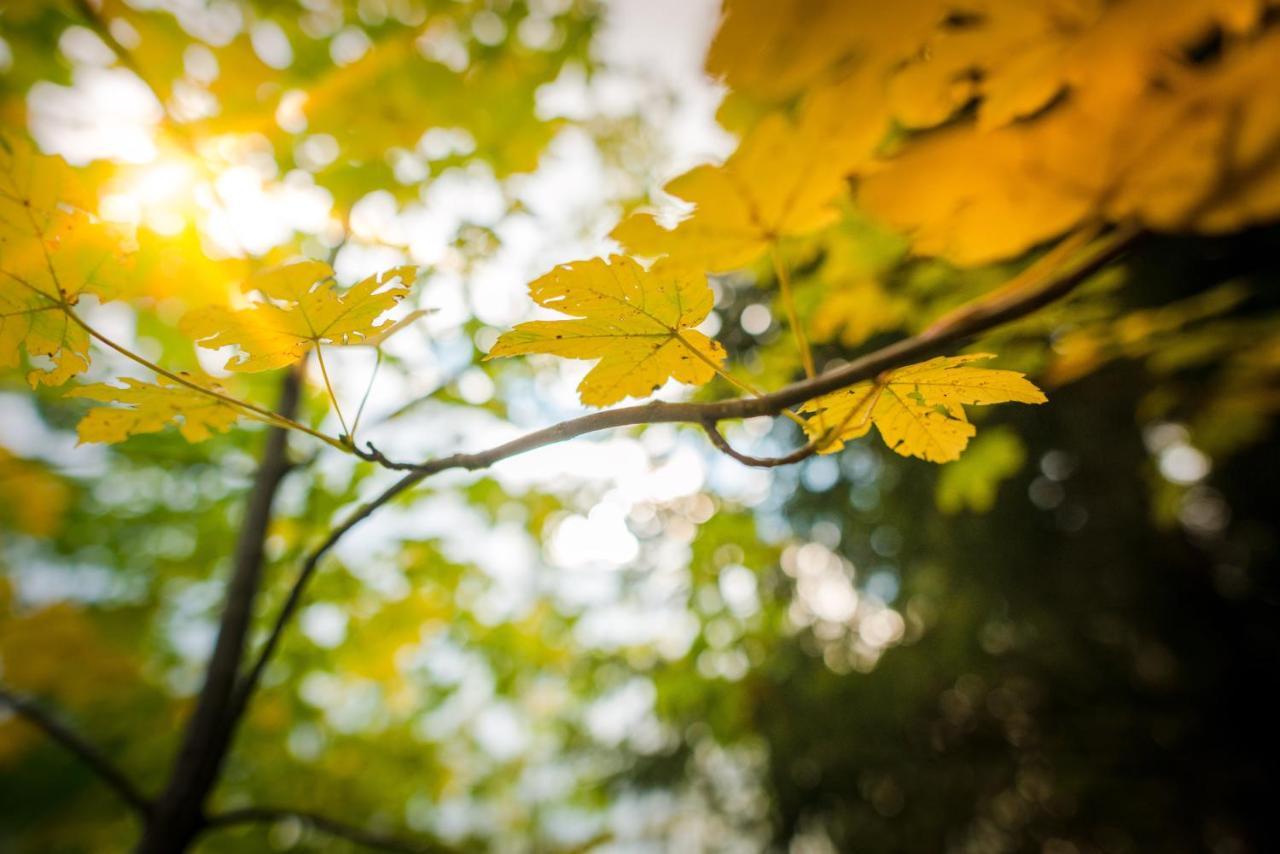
(333, 398)
(793, 319)
(264, 415)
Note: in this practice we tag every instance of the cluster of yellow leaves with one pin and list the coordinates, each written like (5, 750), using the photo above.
(919, 409)
(300, 309)
(52, 253)
(1029, 117)
(981, 129)
(1138, 133)
(638, 323)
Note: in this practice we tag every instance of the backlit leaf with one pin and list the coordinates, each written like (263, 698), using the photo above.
(301, 309)
(919, 409)
(638, 323)
(778, 183)
(52, 253)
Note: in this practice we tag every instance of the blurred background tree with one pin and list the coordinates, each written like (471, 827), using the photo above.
(629, 641)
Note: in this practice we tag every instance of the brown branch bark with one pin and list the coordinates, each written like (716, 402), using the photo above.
(342, 830)
(97, 762)
(179, 811)
(992, 313)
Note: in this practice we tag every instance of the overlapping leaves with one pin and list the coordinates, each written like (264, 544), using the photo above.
(301, 309)
(52, 253)
(776, 184)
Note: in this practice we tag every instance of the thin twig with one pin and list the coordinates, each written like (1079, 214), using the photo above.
(992, 314)
(252, 410)
(250, 680)
(333, 397)
(30, 711)
(342, 830)
(718, 439)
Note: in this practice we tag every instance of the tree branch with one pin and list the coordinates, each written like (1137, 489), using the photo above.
(179, 810)
(349, 832)
(992, 313)
(244, 690)
(34, 714)
(989, 314)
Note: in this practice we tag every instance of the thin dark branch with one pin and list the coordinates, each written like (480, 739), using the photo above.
(718, 439)
(351, 833)
(29, 710)
(992, 314)
(244, 690)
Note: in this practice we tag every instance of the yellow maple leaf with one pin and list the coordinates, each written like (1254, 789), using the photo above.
(52, 253)
(151, 407)
(1206, 156)
(300, 309)
(772, 48)
(638, 323)
(780, 182)
(918, 409)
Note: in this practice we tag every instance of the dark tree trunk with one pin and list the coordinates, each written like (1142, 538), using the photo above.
(178, 815)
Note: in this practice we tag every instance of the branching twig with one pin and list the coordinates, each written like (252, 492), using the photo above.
(244, 690)
(717, 438)
(992, 313)
(33, 713)
(351, 833)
